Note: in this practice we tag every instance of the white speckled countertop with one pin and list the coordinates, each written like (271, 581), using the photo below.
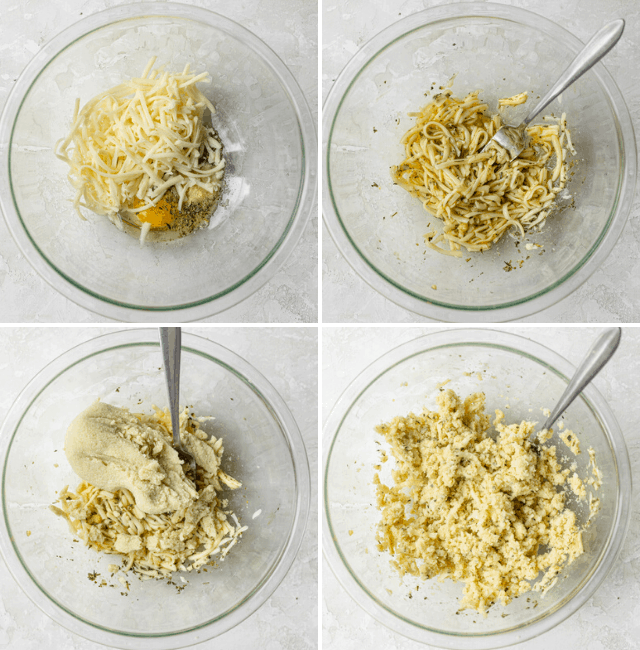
(612, 293)
(288, 358)
(290, 28)
(610, 618)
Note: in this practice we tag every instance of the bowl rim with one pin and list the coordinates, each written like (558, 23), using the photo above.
(73, 288)
(554, 362)
(265, 391)
(542, 299)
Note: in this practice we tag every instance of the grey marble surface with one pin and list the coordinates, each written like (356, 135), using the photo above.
(288, 358)
(612, 293)
(609, 620)
(290, 28)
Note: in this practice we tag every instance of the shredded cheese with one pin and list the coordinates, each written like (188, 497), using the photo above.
(131, 144)
(516, 100)
(479, 194)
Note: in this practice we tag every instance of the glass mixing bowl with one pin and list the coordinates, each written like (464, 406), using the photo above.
(263, 449)
(511, 371)
(379, 227)
(270, 150)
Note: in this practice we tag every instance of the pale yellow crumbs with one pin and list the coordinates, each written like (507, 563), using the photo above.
(490, 513)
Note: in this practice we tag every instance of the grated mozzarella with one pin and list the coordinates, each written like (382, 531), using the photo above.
(139, 139)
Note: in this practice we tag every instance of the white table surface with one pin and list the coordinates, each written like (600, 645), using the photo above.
(290, 28)
(605, 297)
(609, 620)
(288, 358)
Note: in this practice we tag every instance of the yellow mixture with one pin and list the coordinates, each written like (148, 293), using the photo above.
(489, 513)
(478, 192)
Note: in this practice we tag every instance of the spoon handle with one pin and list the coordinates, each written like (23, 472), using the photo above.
(171, 343)
(601, 351)
(599, 44)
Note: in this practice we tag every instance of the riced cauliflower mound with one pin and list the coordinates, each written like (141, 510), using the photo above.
(464, 506)
(136, 501)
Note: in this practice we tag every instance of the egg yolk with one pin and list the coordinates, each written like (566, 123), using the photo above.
(161, 215)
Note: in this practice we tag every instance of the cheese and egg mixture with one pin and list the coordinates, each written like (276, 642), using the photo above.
(475, 189)
(141, 155)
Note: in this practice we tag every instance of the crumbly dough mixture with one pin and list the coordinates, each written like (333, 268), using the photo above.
(464, 506)
(135, 499)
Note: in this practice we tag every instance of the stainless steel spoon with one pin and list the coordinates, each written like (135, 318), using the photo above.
(601, 351)
(171, 344)
(514, 138)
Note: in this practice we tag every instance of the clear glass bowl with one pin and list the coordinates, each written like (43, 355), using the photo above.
(263, 449)
(516, 372)
(270, 149)
(379, 227)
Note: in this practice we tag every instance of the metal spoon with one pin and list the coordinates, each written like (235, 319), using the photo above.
(171, 342)
(514, 138)
(601, 351)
